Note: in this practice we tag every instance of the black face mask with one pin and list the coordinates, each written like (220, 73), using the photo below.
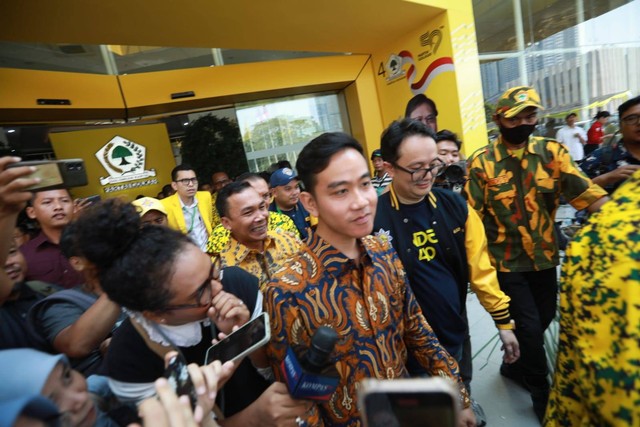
(518, 134)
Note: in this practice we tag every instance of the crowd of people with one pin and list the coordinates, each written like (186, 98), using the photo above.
(99, 298)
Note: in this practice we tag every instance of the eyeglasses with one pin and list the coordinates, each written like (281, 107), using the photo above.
(527, 120)
(188, 181)
(630, 120)
(430, 119)
(203, 293)
(419, 174)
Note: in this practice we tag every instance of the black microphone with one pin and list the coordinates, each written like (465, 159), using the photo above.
(312, 375)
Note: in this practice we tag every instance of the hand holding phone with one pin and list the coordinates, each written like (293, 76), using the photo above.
(243, 341)
(65, 173)
(13, 186)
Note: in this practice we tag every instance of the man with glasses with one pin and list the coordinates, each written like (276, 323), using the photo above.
(611, 165)
(277, 221)
(515, 184)
(252, 245)
(440, 242)
(189, 210)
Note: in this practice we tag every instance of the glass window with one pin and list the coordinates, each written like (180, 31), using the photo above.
(276, 130)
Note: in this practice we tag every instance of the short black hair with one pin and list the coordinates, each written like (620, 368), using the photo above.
(315, 156)
(417, 101)
(250, 176)
(182, 167)
(570, 115)
(628, 104)
(447, 135)
(222, 200)
(397, 132)
(601, 114)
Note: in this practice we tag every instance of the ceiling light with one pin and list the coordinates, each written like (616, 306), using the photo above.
(11, 130)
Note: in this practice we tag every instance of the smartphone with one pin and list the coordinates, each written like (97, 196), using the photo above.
(177, 376)
(245, 340)
(414, 402)
(65, 173)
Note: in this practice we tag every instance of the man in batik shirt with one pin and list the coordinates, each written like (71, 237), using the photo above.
(597, 379)
(277, 221)
(353, 282)
(515, 184)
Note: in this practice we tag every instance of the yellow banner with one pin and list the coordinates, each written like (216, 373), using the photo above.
(121, 161)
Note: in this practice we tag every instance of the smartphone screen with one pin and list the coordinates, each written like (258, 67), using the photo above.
(253, 335)
(178, 378)
(410, 409)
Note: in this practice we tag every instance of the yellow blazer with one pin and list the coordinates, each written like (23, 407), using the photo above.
(175, 216)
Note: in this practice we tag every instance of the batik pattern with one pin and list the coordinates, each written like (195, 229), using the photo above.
(279, 246)
(369, 304)
(220, 235)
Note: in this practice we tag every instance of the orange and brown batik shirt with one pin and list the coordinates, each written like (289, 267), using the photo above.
(369, 304)
(517, 198)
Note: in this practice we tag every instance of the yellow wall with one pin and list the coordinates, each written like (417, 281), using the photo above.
(447, 39)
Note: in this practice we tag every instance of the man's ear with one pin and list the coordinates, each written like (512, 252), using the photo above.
(226, 222)
(174, 185)
(496, 119)
(31, 212)
(154, 316)
(77, 263)
(309, 203)
(388, 168)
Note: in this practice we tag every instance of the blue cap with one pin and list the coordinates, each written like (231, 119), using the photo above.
(376, 153)
(24, 371)
(282, 177)
(34, 406)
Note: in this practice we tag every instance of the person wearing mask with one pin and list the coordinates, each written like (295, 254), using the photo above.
(189, 210)
(175, 298)
(515, 184)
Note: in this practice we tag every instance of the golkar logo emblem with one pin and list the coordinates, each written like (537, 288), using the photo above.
(123, 160)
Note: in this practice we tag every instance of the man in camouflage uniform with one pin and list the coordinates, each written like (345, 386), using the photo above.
(596, 381)
(515, 184)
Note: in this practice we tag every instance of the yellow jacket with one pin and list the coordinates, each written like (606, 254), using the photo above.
(175, 216)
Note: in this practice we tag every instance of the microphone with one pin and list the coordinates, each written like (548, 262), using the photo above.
(312, 375)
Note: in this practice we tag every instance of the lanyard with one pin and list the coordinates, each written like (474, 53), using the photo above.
(193, 215)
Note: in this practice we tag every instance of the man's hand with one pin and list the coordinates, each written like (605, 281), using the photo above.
(79, 205)
(617, 175)
(13, 181)
(467, 418)
(510, 345)
(276, 408)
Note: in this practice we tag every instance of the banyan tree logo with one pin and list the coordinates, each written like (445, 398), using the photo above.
(123, 160)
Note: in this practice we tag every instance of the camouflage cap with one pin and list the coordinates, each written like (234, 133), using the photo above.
(517, 99)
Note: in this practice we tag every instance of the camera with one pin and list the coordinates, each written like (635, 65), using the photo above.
(453, 176)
